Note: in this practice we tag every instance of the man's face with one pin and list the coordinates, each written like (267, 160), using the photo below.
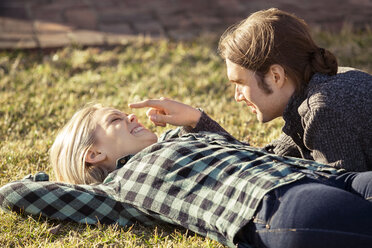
(263, 104)
(119, 134)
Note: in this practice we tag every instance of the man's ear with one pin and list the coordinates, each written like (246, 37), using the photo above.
(93, 156)
(277, 74)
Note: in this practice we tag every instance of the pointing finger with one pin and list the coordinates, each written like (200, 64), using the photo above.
(148, 103)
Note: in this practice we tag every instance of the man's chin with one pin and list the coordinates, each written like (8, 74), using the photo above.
(261, 118)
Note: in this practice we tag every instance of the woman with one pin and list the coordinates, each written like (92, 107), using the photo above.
(278, 70)
(207, 182)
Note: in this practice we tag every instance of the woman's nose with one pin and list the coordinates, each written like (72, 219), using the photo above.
(132, 118)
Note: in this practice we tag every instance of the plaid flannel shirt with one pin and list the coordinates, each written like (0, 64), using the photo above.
(207, 182)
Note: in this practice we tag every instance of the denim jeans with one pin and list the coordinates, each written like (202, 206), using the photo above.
(317, 211)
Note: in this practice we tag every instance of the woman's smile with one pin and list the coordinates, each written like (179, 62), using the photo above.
(137, 129)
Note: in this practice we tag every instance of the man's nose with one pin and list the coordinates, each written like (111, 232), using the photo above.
(238, 94)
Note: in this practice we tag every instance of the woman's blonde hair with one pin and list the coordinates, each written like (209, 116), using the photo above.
(68, 152)
(273, 36)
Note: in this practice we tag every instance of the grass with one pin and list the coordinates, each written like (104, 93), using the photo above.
(40, 92)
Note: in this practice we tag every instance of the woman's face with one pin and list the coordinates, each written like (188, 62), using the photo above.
(119, 135)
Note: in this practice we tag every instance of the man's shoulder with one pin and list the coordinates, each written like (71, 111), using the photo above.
(339, 96)
(346, 79)
(346, 87)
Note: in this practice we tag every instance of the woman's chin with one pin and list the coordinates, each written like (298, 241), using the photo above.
(151, 138)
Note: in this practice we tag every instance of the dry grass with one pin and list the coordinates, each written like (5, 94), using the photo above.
(39, 92)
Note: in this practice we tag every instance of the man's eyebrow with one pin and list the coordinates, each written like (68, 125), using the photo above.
(237, 81)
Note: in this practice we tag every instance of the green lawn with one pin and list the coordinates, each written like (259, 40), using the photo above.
(40, 92)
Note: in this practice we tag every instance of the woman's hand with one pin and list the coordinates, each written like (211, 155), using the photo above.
(163, 111)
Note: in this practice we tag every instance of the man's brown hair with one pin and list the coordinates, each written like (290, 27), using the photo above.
(273, 36)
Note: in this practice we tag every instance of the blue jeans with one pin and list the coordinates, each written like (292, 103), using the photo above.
(317, 211)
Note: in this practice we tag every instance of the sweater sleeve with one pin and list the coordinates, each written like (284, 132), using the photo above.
(332, 139)
(283, 146)
(205, 123)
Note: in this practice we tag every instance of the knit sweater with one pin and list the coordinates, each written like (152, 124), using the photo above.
(331, 122)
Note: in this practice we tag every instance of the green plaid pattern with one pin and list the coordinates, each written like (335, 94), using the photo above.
(79, 203)
(207, 182)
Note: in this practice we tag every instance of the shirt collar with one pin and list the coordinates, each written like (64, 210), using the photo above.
(122, 161)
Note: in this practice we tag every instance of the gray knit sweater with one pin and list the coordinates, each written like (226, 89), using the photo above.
(331, 122)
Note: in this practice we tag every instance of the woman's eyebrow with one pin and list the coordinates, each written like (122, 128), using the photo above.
(110, 115)
(115, 113)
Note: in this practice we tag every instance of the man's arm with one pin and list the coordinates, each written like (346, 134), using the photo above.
(283, 146)
(333, 139)
(205, 123)
(166, 111)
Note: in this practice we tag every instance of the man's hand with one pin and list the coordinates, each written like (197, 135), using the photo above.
(163, 111)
